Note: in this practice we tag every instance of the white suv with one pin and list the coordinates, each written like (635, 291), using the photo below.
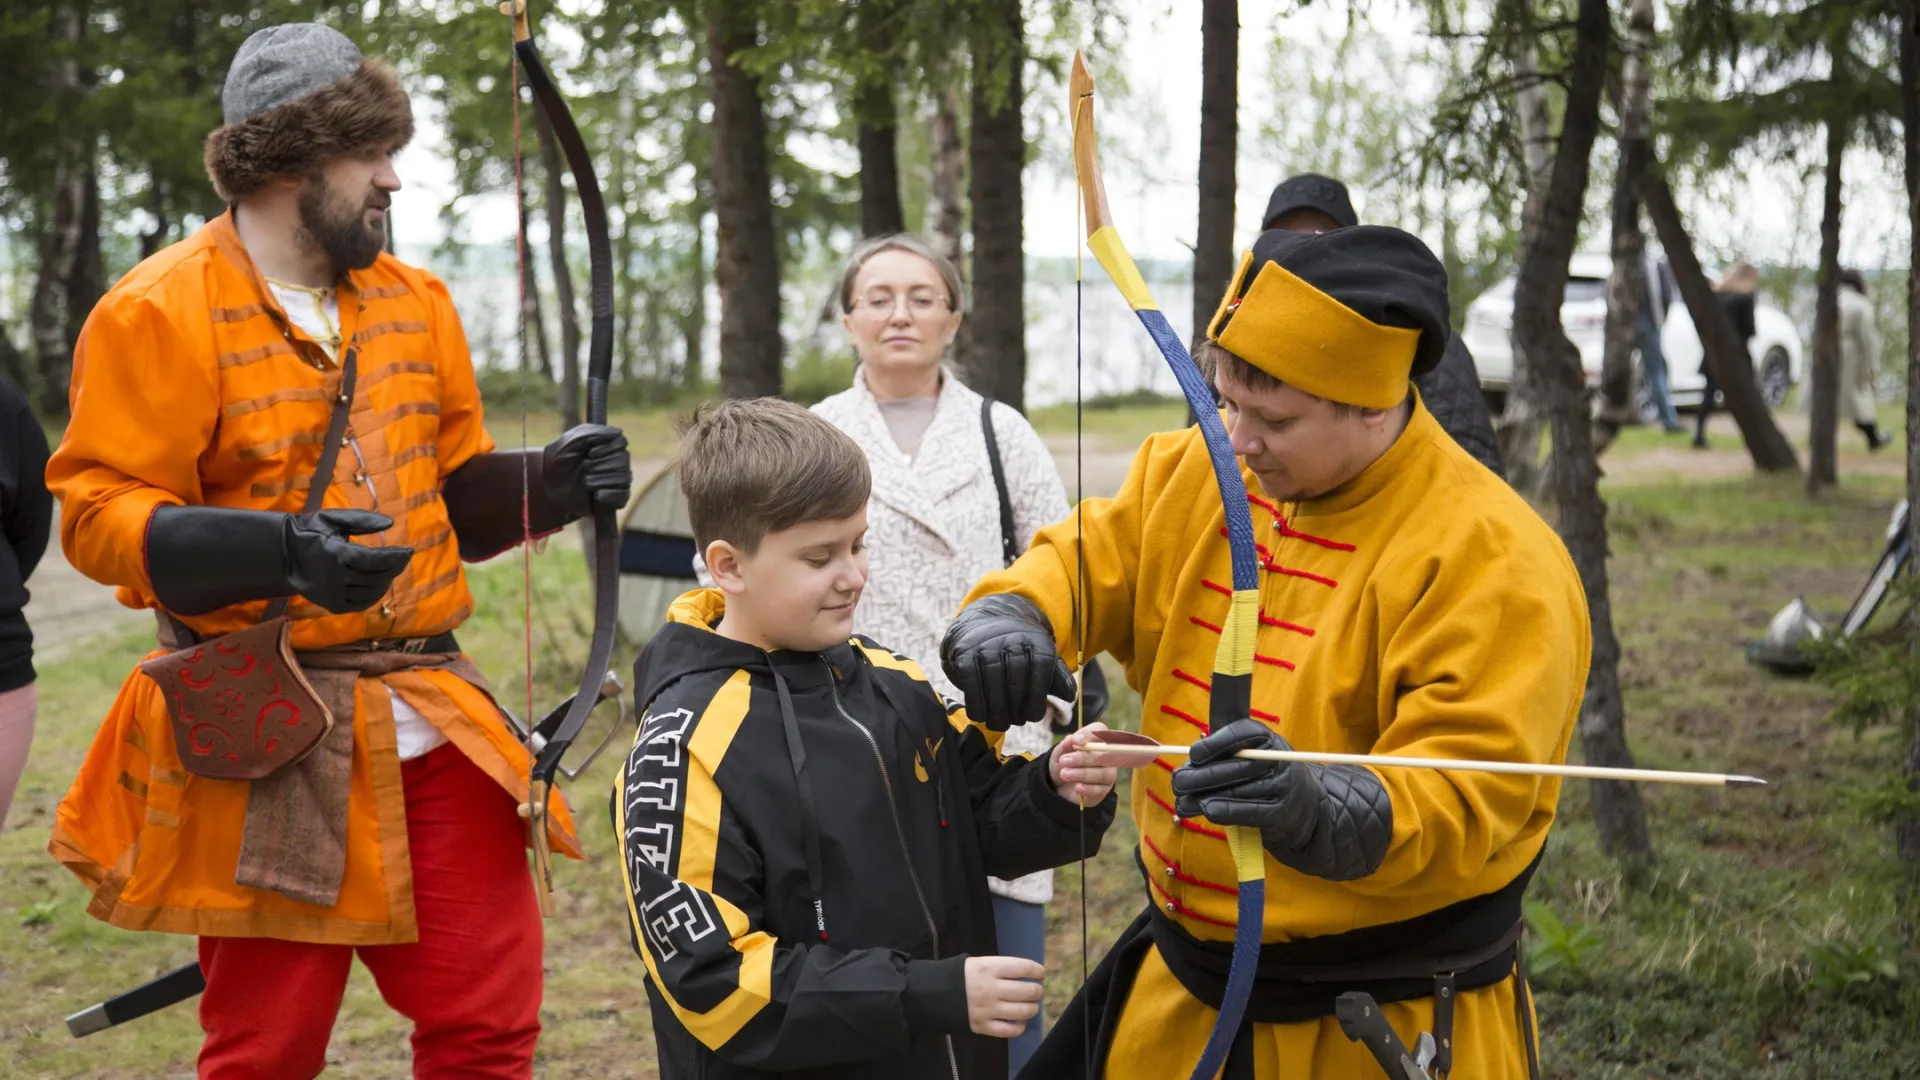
(1775, 346)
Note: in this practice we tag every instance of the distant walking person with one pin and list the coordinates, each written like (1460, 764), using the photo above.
(1653, 358)
(1859, 357)
(26, 516)
(1735, 292)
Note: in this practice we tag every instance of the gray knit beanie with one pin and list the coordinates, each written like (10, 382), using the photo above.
(281, 63)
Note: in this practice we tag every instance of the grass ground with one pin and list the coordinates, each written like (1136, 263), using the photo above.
(1766, 940)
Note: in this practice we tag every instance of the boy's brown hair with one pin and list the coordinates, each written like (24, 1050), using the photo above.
(755, 466)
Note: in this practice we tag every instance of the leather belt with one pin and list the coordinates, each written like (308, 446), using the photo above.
(442, 642)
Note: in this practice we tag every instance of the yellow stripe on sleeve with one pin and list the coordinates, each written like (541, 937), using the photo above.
(700, 837)
(700, 820)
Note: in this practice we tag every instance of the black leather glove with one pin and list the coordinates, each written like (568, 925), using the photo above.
(587, 467)
(203, 558)
(999, 653)
(1330, 821)
(333, 571)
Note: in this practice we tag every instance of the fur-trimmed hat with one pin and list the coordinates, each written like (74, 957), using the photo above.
(295, 97)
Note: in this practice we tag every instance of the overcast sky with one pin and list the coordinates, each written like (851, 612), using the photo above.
(1765, 213)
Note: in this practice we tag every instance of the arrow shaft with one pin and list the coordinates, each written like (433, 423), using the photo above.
(1514, 768)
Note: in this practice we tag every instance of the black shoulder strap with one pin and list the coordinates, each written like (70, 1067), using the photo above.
(334, 439)
(1009, 547)
(182, 636)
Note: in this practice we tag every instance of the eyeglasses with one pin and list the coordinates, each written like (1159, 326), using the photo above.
(881, 305)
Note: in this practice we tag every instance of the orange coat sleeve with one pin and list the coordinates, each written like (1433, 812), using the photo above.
(463, 432)
(145, 400)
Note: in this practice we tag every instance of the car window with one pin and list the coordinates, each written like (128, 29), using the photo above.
(1585, 290)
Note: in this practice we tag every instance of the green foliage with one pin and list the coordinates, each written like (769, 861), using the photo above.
(1865, 972)
(1751, 76)
(1558, 953)
(40, 914)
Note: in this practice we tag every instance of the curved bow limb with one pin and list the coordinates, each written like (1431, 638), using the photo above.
(1233, 662)
(606, 533)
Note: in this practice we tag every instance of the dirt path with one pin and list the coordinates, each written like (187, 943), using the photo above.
(67, 609)
(1675, 459)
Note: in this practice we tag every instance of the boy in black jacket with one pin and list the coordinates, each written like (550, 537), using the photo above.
(806, 826)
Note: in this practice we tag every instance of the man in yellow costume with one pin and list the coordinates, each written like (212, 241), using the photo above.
(277, 447)
(1410, 604)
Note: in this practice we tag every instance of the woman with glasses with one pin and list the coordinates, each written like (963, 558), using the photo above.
(935, 517)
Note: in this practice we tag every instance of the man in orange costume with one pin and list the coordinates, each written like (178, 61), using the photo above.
(204, 386)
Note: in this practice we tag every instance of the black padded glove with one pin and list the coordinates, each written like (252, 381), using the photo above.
(587, 467)
(333, 571)
(203, 558)
(1000, 654)
(1330, 821)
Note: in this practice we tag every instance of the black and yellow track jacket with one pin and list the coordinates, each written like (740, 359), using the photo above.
(806, 839)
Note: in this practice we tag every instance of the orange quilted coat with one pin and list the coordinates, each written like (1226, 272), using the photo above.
(190, 387)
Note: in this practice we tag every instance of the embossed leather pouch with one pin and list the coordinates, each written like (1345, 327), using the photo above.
(242, 709)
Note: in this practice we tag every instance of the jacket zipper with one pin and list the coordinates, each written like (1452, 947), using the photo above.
(900, 834)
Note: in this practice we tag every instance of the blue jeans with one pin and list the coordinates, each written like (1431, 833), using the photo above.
(1653, 368)
(1022, 930)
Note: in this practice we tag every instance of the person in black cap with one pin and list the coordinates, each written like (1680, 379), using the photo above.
(1311, 203)
(1410, 603)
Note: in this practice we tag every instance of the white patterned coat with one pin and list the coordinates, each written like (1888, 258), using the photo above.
(933, 529)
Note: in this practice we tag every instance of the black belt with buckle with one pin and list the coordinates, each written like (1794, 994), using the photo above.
(442, 642)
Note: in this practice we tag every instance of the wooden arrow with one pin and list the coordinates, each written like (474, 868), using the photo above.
(1130, 743)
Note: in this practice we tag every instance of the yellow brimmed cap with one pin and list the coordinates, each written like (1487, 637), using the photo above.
(1347, 315)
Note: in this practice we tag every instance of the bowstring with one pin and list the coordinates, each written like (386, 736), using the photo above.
(1080, 575)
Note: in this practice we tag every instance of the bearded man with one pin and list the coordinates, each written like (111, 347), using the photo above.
(277, 446)
(1410, 604)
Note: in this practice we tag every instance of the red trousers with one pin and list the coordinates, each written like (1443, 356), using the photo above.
(471, 984)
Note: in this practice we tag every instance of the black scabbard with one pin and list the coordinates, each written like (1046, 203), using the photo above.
(1361, 1021)
(169, 989)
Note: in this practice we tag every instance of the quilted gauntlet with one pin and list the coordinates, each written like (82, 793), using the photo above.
(1330, 821)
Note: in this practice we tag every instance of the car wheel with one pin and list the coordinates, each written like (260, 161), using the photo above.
(1776, 379)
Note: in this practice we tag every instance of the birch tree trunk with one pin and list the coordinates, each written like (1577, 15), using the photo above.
(1627, 286)
(49, 309)
(946, 191)
(1523, 420)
